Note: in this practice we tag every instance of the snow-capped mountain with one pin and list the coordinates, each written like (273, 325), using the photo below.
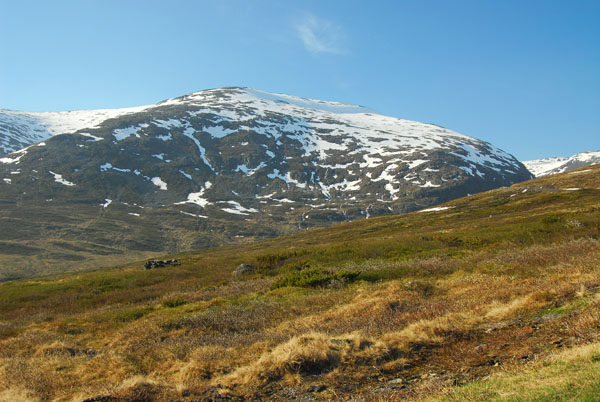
(232, 163)
(546, 166)
(21, 129)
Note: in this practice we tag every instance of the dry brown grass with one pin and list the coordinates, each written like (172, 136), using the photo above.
(17, 395)
(142, 389)
(240, 347)
(254, 341)
(313, 353)
(318, 353)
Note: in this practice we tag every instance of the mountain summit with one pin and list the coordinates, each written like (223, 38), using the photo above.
(232, 163)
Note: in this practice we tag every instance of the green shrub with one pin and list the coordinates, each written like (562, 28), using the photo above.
(386, 274)
(295, 266)
(132, 314)
(173, 303)
(315, 278)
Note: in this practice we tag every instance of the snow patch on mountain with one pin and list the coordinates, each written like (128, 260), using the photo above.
(16, 156)
(435, 209)
(158, 182)
(109, 166)
(194, 215)
(59, 179)
(93, 137)
(249, 171)
(121, 133)
(189, 132)
(237, 208)
(198, 197)
(188, 176)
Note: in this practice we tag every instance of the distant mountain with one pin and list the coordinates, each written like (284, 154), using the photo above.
(21, 129)
(219, 166)
(546, 166)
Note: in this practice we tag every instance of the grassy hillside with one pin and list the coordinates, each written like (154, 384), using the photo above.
(494, 297)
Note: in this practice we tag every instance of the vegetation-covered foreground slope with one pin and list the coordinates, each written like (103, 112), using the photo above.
(494, 297)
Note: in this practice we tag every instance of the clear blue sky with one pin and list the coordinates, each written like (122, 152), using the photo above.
(524, 75)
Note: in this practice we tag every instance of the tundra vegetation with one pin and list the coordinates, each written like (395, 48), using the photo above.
(493, 297)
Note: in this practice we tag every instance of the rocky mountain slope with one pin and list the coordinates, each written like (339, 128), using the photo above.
(224, 165)
(546, 166)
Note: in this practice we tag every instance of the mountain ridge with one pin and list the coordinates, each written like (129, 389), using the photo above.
(553, 165)
(19, 129)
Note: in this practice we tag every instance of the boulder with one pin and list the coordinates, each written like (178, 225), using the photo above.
(151, 264)
(243, 269)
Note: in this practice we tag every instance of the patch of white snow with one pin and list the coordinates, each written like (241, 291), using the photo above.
(157, 181)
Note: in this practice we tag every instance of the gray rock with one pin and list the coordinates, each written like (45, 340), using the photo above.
(243, 269)
(151, 264)
(317, 388)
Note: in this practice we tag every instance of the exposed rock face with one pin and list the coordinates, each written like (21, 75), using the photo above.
(230, 164)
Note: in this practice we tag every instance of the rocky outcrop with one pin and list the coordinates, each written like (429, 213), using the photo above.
(160, 264)
(243, 269)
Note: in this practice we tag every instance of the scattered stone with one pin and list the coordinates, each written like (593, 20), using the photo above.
(481, 348)
(97, 399)
(243, 269)
(317, 388)
(151, 264)
(549, 317)
(396, 381)
(90, 353)
(72, 352)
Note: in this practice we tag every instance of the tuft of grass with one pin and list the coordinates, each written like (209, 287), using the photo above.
(309, 354)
